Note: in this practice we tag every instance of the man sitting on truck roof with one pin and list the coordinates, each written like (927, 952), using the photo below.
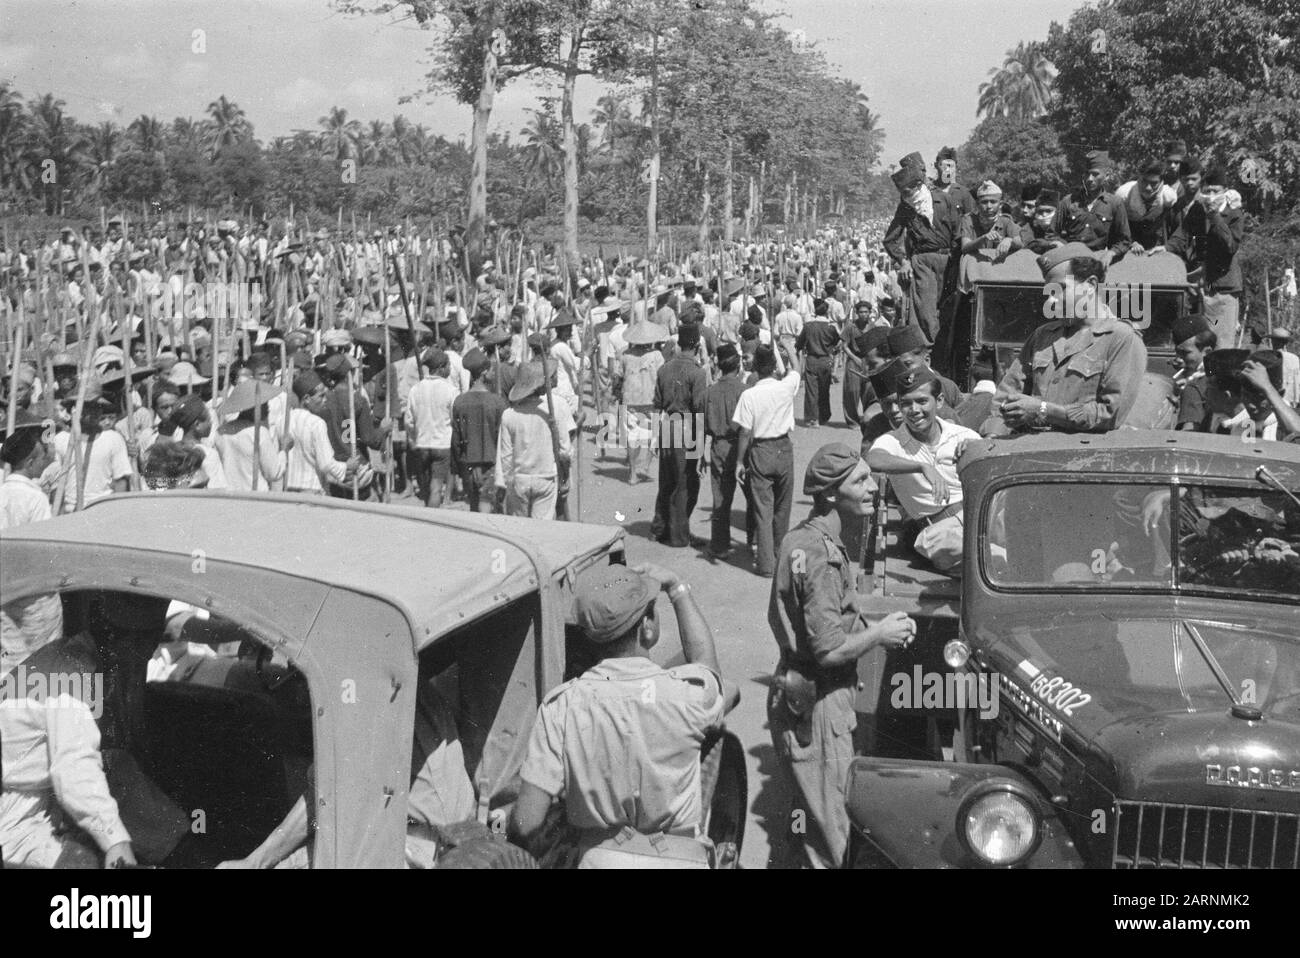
(921, 459)
(1080, 372)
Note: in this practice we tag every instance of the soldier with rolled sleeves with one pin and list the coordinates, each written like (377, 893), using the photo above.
(1094, 215)
(820, 634)
(619, 746)
(1078, 373)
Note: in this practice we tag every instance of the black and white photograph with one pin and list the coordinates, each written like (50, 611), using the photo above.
(651, 434)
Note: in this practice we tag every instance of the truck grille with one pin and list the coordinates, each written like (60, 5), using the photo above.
(1157, 835)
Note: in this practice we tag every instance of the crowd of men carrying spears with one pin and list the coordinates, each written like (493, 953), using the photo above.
(363, 362)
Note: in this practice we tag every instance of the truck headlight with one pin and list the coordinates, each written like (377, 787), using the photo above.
(956, 652)
(999, 824)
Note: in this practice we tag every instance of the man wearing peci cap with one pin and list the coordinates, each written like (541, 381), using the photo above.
(920, 239)
(921, 459)
(820, 634)
(1194, 341)
(475, 429)
(1093, 215)
(620, 744)
(945, 181)
(312, 465)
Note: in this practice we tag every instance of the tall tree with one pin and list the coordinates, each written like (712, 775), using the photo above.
(14, 170)
(341, 137)
(228, 126)
(59, 146)
(1022, 87)
(148, 134)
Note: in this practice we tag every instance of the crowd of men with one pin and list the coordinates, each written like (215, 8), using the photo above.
(378, 367)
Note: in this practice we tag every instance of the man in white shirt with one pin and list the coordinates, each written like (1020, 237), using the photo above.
(25, 451)
(920, 457)
(765, 453)
(311, 456)
(526, 467)
(1280, 337)
(105, 463)
(428, 423)
(249, 446)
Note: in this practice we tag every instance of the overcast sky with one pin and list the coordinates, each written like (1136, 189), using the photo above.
(287, 61)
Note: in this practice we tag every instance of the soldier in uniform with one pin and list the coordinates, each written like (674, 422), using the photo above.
(1079, 373)
(1094, 215)
(945, 181)
(920, 240)
(619, 746)
(820, 633)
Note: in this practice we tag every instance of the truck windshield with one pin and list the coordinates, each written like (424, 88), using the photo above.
(1144, 536)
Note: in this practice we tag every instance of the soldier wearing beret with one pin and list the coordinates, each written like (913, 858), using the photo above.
(619, 746)
(820, 634)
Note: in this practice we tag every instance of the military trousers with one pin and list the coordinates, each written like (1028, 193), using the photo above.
(817, 773)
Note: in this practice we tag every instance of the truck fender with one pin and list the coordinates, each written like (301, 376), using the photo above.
(908, 811)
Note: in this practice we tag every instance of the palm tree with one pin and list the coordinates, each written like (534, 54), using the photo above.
(400, 140)
(612, 116)
(342, 136)
(13, 139)
(543, 155)
(374, 145)
(228, 126)
(1021, 88)
(147, 133)
(102, 144)
(186, 132)
(55, 142)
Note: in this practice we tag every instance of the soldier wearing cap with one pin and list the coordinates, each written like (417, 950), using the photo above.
(27, 453)
(820, 634)
(1080, 372)
(1094, 215)
(945, 181)
(921, 457)
(920, 239)
(620, 744)
(475, 429)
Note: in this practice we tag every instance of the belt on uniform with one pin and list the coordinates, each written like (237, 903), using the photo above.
(769, 438)
(945, 513)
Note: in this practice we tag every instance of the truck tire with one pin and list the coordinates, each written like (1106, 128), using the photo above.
(487, 853)
(724, 789)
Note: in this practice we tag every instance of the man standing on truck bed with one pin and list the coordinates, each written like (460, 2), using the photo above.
(815, 617)
(1077, 373)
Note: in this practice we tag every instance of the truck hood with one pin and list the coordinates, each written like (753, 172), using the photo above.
(1142, 697)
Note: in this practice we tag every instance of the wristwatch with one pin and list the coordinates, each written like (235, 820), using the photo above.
(679, 590)
(1042, 412)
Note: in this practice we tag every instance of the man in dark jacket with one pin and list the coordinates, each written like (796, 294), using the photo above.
(680, 386)
(1094, 215)
(920, 239)
(1208, 240)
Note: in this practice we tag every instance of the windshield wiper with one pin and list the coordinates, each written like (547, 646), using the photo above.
(1265, 476)
(1239, 709)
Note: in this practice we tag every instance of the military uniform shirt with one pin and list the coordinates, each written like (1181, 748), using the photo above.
(1094, 372)
(814, 602)
(621, 744)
